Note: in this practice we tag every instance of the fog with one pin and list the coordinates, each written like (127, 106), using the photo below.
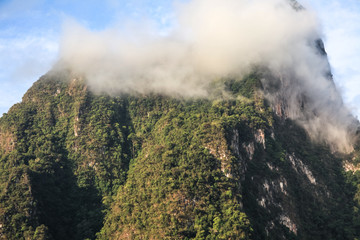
(212, 39)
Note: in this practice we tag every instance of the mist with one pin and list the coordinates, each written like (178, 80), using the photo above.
(212, 39)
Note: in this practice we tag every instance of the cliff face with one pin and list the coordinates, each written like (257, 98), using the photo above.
(75, 165)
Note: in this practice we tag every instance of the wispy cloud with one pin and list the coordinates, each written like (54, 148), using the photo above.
(16, 8)
(27, 48)
(340, 19)
(212, 39)
(28, 37)
(22, 61)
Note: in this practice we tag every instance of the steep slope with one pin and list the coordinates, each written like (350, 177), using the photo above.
(75, 165)
(68, 150)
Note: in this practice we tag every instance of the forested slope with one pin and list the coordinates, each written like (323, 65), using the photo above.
(77, 165)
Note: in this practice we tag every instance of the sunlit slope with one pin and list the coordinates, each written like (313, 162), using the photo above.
(76, 165)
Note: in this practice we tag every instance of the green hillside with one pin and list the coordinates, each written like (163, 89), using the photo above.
(79, 165)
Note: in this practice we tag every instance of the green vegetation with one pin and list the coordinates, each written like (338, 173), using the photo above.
(176, 187)
(75, 165)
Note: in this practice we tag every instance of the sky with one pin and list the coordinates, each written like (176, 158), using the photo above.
(31, 30)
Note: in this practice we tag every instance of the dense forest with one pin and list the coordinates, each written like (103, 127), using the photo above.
(79, 165)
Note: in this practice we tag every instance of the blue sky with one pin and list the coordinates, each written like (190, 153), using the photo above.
(30, 33)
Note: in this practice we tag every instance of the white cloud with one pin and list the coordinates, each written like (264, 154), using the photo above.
(16, 8)
(23, 58)
(341, 25)
(213, 39)
(27, 54)
(210, 34)
(28, 47)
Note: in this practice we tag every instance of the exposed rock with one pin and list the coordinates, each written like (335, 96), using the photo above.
(58, 91)
(349, 166)
(250, 149)
(286, 221)
(272, 167)
(298, 165)
(260, 137)
(234, 145)
(7, 141)
(262, 202)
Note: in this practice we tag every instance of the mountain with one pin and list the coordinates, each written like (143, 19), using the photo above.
(116, 144)
(79, 165)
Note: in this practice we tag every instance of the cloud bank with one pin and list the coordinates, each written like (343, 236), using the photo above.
(212, 39)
